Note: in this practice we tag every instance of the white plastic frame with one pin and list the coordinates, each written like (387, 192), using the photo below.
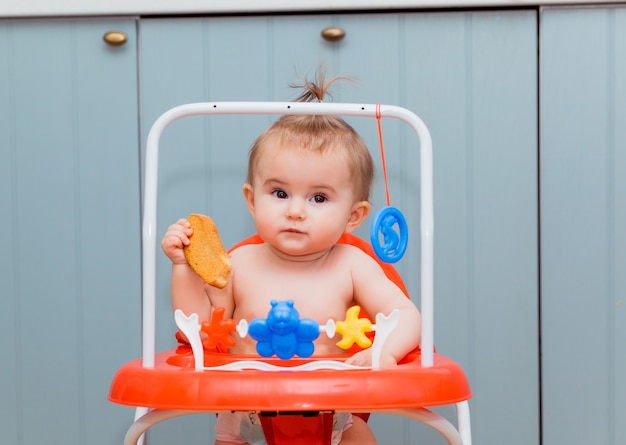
(149, 229)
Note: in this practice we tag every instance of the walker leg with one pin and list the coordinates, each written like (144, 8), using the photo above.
(140, 412)
(432, 419)
(465, 427)
(135, 433)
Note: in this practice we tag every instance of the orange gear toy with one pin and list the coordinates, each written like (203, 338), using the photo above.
(218, 331)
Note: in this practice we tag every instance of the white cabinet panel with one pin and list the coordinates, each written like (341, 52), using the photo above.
(583, 215)
(69, 230)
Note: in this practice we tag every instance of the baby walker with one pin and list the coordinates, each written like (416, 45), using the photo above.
(284, 381)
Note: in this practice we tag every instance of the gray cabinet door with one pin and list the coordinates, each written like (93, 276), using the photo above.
(583, 224)
(472, 76)
(69, 228)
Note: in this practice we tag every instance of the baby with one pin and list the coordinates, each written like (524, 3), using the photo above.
(308, 182)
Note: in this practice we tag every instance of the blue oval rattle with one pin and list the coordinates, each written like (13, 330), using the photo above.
(394, 242)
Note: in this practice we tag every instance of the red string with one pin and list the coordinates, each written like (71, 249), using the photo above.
(382, 153)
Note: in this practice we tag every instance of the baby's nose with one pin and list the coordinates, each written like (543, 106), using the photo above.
(295, 209)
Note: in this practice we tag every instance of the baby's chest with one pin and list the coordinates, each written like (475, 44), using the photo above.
(319, 297)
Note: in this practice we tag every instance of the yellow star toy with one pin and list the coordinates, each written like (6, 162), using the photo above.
(353, 329)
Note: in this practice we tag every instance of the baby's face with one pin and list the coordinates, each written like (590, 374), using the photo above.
(302, 200)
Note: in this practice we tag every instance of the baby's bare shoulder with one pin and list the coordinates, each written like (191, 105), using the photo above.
(348, 251)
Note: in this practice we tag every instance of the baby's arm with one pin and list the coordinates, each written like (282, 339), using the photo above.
(188, 291)
(375, 293)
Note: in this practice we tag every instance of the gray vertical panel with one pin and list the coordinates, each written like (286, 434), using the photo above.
(107, 141)
(69, 284)
(582, 157)
(619, 231)
(10, 407)
(479, 100)
(46, 245)
(505, 234)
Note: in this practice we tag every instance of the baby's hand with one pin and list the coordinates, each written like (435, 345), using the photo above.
(361, 358)
(364, 358)
(176, 237)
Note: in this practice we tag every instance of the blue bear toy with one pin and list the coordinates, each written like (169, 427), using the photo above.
(283, 332)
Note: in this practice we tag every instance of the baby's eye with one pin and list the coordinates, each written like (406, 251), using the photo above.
(280, 194)
(318, 199)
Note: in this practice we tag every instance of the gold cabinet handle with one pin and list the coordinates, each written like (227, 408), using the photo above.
(333, 34)
(115, 38)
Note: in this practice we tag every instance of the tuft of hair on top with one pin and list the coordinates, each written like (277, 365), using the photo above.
(318, 88)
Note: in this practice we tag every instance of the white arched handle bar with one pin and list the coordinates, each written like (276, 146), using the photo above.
(149, 238)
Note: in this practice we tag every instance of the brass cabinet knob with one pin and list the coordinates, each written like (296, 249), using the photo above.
(115, 38)
(333, 34)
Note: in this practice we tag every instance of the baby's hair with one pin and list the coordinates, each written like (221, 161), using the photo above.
(316, 89)
(319, 133)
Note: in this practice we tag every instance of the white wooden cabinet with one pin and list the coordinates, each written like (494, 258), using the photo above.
(529, 199)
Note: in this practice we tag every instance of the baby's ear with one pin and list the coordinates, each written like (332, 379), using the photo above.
(248, 194)
(359, 212)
